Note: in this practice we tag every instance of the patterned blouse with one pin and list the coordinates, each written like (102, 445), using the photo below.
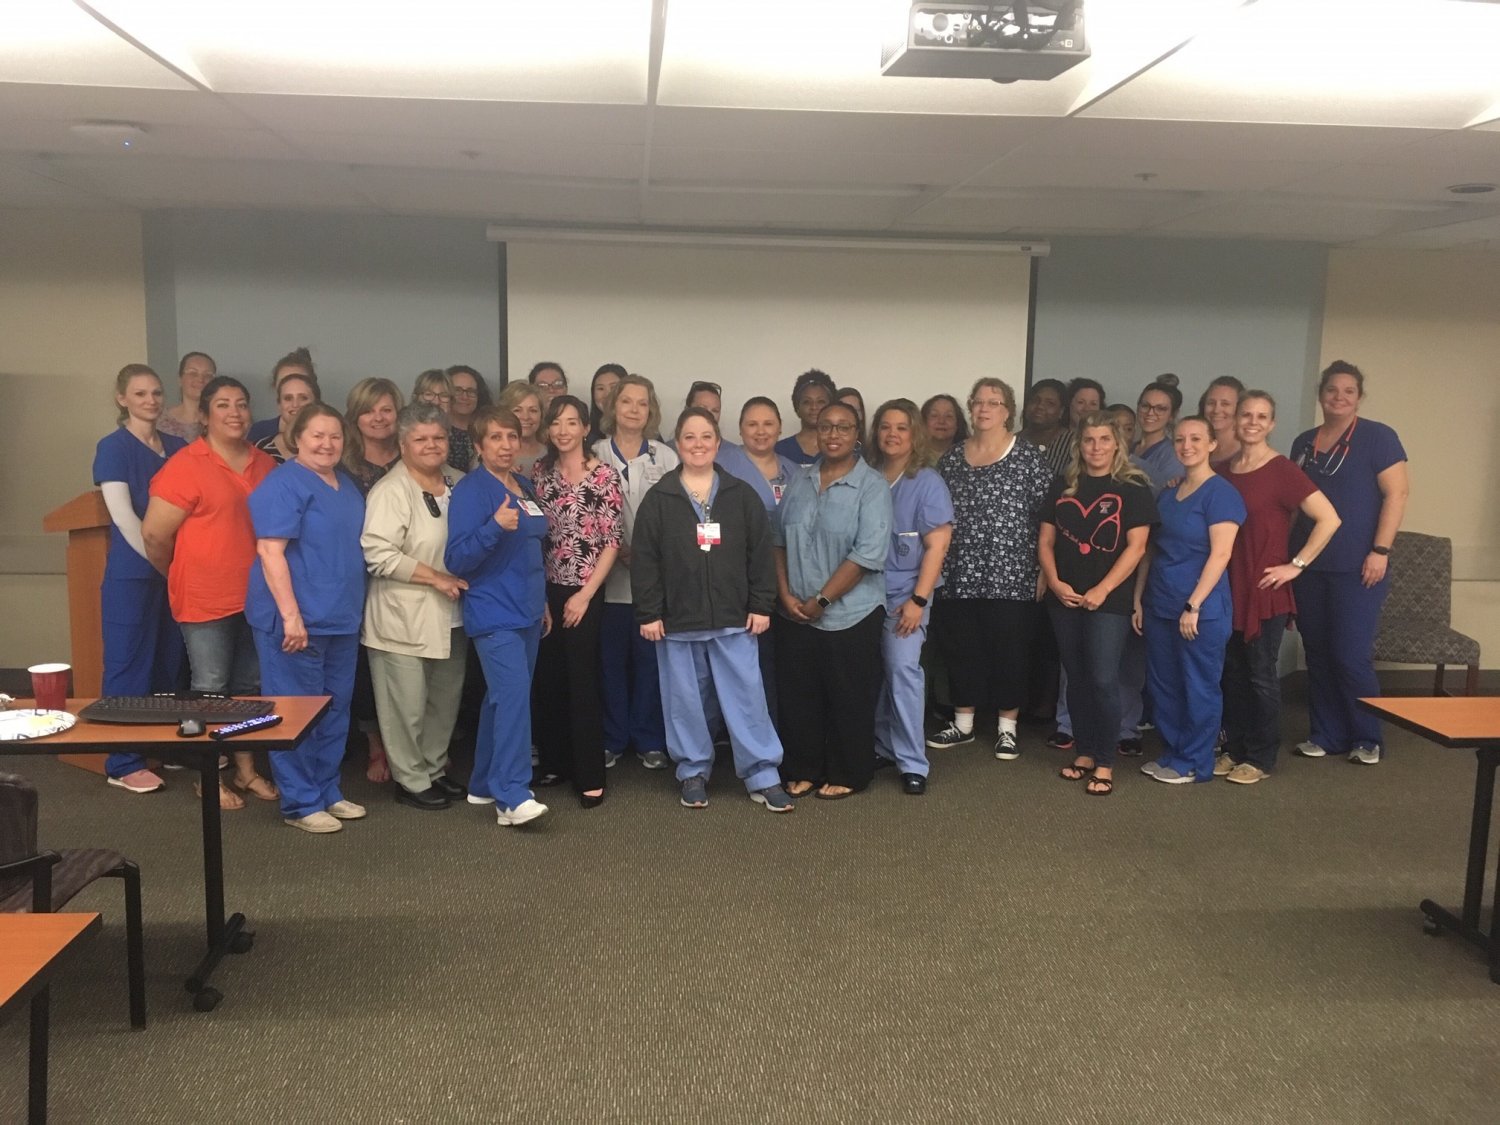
(583, 521)
(996, 510)
(460, 449)
(366, 473)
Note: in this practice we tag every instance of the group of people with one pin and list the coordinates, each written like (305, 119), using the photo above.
(607, 591)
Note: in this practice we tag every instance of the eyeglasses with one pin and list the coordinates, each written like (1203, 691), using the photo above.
(432, 506)
(559, 385)
(1148, 408)
(836, 427)
(465, 392)
(435, 396)
(696, 387)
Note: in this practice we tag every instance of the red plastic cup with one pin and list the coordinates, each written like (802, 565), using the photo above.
(49, 683)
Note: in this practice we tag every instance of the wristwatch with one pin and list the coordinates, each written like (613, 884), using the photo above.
(919, 601)
(823, 602)
(1189, 607)
(1299, 563)
(1380, 551)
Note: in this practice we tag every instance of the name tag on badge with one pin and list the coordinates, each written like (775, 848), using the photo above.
(777, 490)
(708, 536)
(531, 507)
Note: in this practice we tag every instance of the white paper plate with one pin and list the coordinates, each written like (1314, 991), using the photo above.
(16, 726)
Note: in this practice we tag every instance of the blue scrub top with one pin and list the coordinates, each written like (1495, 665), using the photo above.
(1160, 464)
(1182, 548)
(124, 457)
(322, 525)
(507, 585)
(848, 520)
(736, 462)
(789, 449)
(1347, 475)
(918, 504)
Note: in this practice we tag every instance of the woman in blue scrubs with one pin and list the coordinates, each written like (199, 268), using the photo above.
(812, 391)
(305, 605)
(495, 533)
(704, 586)
(1183, 607)
(921, 529)
(142, 645)
(1360, 466)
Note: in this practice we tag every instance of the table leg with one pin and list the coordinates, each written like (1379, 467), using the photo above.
(1479, 834)
(36, 1087)
(224, 934)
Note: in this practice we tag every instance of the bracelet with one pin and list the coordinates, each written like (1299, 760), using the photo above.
(1298, 562)
(1381, 551)
(919, 601)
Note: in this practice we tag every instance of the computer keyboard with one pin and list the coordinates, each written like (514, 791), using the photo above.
(163, 709)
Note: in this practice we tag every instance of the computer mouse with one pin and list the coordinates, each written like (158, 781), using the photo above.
(190, 728)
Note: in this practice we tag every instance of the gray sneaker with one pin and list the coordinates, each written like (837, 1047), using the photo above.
(655, 760)
(775, 799)
(1365, 755)
(1311, 750)
(1168, 774)
(611, 757)
(695, 793)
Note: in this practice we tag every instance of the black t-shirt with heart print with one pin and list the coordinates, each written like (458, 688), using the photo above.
(1091, 526)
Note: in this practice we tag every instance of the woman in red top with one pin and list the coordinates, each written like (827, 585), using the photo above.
(1260, 577)
(198, 533)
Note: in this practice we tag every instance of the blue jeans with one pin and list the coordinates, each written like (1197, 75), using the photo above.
(1092, 644)
(221, 656)
(1252, 695)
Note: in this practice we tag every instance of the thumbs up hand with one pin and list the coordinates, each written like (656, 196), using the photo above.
(507, 515)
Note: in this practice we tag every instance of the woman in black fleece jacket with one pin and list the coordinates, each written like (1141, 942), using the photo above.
(704, 582)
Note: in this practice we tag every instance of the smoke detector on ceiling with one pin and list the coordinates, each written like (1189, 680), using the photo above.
(115, 134)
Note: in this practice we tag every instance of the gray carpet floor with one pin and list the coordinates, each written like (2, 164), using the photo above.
(1003, 949)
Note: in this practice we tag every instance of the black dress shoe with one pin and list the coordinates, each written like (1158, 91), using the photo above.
(427, 799)
(913, 784)
(449, 788)
(883, 763)
(590, 802)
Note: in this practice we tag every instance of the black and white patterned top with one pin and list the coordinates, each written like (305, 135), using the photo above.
(996, 510)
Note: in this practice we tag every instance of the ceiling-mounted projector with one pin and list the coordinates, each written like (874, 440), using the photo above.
(1006, 42)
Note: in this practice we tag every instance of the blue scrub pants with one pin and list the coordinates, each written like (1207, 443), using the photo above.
(143, 650)
(629, 687)
(725, 670)
(1184, 678)
(1338, 618)
(899, 733)
(308, 776)
(502, 752)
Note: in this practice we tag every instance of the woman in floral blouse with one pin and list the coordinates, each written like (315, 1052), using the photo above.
(582, 500)
(983, 613)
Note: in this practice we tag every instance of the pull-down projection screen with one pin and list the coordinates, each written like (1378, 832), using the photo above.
(891, 322)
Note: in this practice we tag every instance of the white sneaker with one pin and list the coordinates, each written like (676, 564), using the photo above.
(318, 822)
(346, 810)
(1311, 750)
(527, 811)
(1365, 755)
(475, 799)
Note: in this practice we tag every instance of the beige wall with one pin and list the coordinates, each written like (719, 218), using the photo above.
(73, 307)
(1424, 326)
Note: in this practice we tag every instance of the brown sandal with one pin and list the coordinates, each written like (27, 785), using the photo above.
(258, 786)
(228, 802)
(807, 787)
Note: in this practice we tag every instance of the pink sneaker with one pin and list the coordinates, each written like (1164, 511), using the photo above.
(141, 781)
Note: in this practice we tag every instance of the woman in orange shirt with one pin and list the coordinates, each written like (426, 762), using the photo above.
(198, 533)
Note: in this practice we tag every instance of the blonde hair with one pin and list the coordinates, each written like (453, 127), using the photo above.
(1005, 392)
(431, 380)
(362, 399)
(653, 416)
(513, 394)
(1121, 468)
(922, 454)
(122, 383)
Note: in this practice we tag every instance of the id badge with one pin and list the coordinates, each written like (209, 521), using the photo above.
(531, 507)
(708, 536)
(777, 490)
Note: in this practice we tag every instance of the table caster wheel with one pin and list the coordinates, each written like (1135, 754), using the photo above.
(1431, 928)
(242, 942)
(206, 999)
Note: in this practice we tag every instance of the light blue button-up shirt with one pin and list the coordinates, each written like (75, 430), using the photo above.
(849, 520)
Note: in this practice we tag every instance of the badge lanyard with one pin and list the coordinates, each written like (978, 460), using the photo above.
(707, 530)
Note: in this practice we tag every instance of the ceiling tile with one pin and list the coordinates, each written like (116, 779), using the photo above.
(996, 212)
(560, 158)
(691, 207)
(1345, 62)
(174, 182)
(831, 167)
(1289, 217)
(499, 198)
(21, 187)
(35, 101)
(1019, 170)
(52, 41)
(1134, 141)
(157, 141)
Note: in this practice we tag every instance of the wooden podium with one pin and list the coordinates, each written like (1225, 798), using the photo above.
(87, 522)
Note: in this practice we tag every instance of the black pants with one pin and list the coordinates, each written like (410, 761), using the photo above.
(828, 686)
(566, 714)
(1044, 667)
(985, 643)
(1252, 695)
